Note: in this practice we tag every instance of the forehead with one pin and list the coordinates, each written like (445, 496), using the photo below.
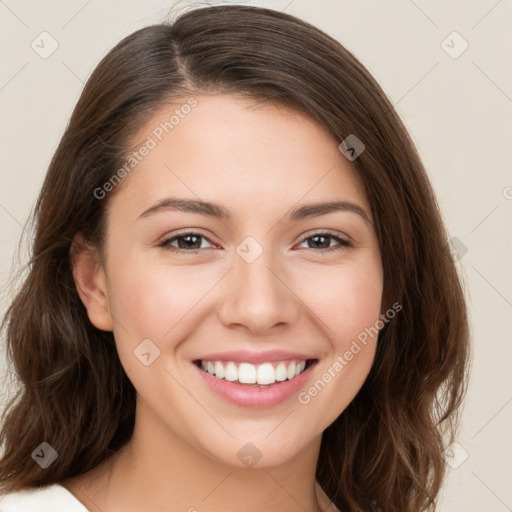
(238, 152)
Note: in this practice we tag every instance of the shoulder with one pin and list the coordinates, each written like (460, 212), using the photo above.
(52, 498)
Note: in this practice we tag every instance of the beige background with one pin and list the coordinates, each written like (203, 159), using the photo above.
(459, 111)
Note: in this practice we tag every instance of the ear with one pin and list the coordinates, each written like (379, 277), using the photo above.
(90, 282)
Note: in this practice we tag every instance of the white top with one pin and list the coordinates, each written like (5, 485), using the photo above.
(52, 498)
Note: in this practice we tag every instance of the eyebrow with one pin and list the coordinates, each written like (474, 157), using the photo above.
(218, 211)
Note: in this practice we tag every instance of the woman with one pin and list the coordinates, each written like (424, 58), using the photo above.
(240, 295)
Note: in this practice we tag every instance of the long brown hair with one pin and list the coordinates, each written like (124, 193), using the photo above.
(386, 449)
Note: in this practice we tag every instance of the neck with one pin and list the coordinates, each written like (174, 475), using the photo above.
(158, 471)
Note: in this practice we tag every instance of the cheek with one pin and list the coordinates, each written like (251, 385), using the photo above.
(155, 297)
(348, 300)
(156, 302)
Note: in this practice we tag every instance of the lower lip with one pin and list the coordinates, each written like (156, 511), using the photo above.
(255, 397)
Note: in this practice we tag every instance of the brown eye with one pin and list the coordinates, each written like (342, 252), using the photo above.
(187, 242)
(192, 242)
(323, 241)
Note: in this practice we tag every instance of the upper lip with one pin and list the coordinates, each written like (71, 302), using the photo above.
(245, 356)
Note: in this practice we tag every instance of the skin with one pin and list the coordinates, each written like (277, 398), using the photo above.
(258, 161)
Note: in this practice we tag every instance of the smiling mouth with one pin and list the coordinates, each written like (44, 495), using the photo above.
(260, 375)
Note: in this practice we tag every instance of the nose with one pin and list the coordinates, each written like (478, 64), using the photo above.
(258, 296)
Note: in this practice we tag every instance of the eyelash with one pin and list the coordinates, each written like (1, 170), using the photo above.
(165, 244)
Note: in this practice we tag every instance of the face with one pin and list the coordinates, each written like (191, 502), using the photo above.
(261, 285)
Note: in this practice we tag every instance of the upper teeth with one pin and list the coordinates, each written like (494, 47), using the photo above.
(246, 373)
